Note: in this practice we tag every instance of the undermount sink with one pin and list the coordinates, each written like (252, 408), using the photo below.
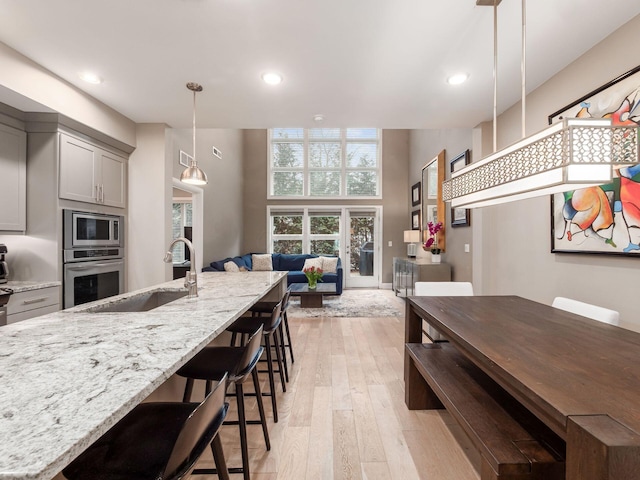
(140, 303)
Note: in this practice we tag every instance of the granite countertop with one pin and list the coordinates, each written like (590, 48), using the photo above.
(67, 377)
(19, 286)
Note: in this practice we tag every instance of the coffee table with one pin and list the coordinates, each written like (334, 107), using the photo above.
(312, 298)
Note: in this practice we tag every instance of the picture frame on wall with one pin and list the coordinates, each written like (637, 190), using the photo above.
(460, 217)
(601, 219)
(185, 159)
(415, 220)
(415, 194)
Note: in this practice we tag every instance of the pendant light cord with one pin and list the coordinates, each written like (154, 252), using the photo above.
(523, 73)
(194, 162)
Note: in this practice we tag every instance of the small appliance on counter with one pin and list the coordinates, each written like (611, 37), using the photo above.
(5, 293)
(4, 269)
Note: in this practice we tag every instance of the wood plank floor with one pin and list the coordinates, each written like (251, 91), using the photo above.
(343, 416)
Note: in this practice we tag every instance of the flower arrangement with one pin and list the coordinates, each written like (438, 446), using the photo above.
(432, 241)
(313, 274)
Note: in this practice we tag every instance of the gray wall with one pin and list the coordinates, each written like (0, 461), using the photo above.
(223, 194)
(395, 192)
(425, 145)
(515, 254)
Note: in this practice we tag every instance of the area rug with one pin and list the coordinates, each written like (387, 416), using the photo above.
(353, 303)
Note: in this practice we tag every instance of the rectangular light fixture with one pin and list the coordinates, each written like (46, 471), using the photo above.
(571, 154)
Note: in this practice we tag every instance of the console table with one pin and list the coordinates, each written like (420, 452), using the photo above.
(408, 271)
(579, 377)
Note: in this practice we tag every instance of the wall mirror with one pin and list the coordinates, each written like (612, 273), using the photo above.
(432, 204)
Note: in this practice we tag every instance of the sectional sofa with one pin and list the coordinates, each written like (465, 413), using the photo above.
(293, 263)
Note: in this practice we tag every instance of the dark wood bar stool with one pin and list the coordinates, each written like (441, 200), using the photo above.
(210, 364)
(157, 441)
(265, 308)
(270, 332)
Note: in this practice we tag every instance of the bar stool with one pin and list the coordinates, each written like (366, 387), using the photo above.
(261, 308)
(210, 364)
(157, 441)
(245, 325)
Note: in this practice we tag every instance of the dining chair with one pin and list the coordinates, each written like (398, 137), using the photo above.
(594, 312)
(157, 441)
(441, 289)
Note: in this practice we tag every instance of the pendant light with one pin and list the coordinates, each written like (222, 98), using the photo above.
(192, 174)
(571, 154)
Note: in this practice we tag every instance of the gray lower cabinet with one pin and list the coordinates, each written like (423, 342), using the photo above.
(407, 271)
(33, 303)
(13, 174)
(91, 174)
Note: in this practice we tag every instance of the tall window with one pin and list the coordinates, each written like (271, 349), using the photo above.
(324, 163)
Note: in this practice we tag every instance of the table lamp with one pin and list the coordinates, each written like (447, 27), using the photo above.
(412, 237)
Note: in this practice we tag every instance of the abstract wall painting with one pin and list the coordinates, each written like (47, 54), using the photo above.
(606, 218)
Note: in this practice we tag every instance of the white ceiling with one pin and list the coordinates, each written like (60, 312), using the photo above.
(364, 63)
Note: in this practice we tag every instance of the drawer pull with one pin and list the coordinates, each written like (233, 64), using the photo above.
(34, 300)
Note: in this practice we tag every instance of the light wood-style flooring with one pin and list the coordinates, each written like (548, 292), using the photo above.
(343, 416)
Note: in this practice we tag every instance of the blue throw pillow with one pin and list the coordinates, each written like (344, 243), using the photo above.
(275, 261)
(292, 262)
(219, 265)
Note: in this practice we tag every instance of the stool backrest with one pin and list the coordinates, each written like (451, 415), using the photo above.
(197, 433)
(285, 300)
(250, 356)
(274, 320)
(594, 312)
(443, 289)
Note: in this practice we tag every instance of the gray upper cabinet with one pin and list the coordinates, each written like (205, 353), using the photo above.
(13, 172)
(91, 174)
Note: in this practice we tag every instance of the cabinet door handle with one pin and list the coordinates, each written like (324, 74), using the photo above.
(34, 300)
(101, 193)
(97, 187)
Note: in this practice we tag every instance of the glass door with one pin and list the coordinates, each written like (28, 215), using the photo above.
(361, 264)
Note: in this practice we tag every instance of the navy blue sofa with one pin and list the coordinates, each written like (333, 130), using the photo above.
(292, 263)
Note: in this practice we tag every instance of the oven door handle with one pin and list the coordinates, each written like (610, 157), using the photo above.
(94, 265)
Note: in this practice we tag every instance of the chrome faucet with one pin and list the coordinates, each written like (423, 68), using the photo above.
(190, 279)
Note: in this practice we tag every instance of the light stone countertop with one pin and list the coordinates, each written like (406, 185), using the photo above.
(67, 377)
(19, 286)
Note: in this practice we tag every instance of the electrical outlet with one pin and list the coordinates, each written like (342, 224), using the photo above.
(390, 243)
(467, 249)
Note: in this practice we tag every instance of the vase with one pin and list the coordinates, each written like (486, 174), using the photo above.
(312, 283)
(435, 258)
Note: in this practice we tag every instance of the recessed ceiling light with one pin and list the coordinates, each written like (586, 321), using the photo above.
(457, 79)
(318, 117)
(272, 78)
(90, 77)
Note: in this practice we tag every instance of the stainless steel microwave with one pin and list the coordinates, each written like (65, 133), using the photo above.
(88, 230)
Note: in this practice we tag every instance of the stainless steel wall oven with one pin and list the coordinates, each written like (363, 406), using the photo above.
(93, 256)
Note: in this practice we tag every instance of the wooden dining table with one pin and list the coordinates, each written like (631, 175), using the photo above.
(578, 376)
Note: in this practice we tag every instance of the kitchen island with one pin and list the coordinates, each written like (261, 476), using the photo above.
(67, 377)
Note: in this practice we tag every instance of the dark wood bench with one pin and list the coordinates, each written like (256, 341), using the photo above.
(513, 444)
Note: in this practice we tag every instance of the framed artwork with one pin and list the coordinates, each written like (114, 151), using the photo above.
(604, 219)
(460, 217)
(415, 194)
(185, 159)
(415, 220)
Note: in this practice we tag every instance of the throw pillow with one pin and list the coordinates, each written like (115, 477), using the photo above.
(329, 264)
(231, 267)
(312, 262)
(261, 262)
